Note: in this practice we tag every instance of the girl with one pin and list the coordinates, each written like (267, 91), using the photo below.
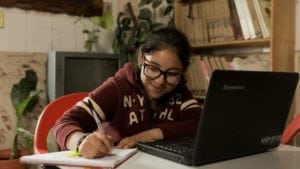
(143, 102)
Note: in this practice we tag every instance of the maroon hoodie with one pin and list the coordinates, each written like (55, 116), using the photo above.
(122, 104)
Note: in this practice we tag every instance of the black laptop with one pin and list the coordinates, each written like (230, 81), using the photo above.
(244, 113)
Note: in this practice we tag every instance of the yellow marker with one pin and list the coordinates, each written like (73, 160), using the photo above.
(74, 153)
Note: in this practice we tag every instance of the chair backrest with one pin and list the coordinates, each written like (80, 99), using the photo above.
(291, 130)
(48, 117)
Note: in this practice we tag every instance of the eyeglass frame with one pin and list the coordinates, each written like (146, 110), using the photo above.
(161, 72)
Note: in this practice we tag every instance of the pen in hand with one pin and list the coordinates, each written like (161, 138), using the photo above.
(96, 118)
(106, 140)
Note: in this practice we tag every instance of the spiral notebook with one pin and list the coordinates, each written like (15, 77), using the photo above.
(63, 158)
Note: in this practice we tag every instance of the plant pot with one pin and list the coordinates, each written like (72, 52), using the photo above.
(7, 163)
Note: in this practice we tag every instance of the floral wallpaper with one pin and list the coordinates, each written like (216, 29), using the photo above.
(12, 69)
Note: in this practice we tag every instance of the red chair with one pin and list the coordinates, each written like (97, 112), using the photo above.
(291, 130)
(50, 114)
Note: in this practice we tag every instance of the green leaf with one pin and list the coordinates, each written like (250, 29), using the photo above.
(145, 13)
(28, 137)
(144, 36)
(22, 89)
(125, 22)
(86, 31)
(115, 46)
(171, 23)
(157, 25)
(146, 25)
(168, 10)
(170, 1)
(144, 2)
(15, 145)
(27, 103)
(156, 3)
(105, 21)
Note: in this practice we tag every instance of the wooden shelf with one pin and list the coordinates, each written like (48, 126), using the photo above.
(238, 43)
(72, 7)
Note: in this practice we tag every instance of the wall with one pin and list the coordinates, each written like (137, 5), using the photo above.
(30, 31)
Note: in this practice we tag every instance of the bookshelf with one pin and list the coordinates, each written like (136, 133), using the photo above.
(281, 40)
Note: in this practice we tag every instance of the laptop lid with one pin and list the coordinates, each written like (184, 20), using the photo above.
(244, 113)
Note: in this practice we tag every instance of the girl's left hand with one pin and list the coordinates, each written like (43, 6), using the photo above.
(127, 142)
(148, 135)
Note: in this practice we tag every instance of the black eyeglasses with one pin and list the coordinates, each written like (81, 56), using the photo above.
(153, 72)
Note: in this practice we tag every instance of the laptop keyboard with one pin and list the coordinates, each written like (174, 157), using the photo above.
(184, 146)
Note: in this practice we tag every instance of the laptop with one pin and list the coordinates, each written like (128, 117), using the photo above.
(244, 113)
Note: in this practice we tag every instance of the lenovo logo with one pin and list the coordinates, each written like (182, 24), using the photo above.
(234, 87)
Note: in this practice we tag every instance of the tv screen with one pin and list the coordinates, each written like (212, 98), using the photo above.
(70, 72)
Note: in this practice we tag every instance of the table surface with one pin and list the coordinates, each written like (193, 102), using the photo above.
(283, 157)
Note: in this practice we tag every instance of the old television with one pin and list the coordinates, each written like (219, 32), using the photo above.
(70, 72)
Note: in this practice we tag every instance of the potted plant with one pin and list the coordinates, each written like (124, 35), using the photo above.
(104, 21)
(132, 30)
(24, 97)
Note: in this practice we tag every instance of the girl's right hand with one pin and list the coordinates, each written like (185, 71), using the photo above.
(96, 145)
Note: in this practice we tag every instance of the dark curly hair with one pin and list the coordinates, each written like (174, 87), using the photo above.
(171, 38)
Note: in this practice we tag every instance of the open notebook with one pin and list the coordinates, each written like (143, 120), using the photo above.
(63, 158)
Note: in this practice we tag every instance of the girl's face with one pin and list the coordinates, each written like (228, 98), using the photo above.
(161, 71)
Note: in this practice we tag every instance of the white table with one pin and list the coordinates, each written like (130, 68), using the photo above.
(284, 157)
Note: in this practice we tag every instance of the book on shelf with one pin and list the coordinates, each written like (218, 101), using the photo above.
(218, 21)
(254, 19)
(190, 75)
(196, 81)
(208, 12)
(249, 19)
(213, 63)
(261, 20)
(197, 22)
(203, 25)
(227, 21)
(242, 18)
(265, 6)
(187, 22)
(219, 63)
(203, 73)
(227, 65)
(64, 158)
(204, 69)
(184, 8)
(236, 26)
(202, 66)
